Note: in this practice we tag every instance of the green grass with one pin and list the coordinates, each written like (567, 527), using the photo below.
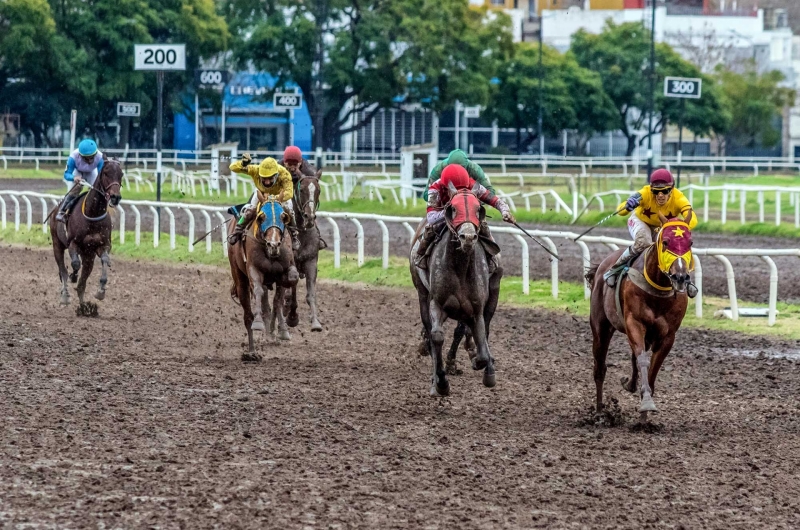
(570, 299)
(25, 173)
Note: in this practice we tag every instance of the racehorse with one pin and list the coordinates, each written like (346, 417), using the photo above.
(648, 305)
(306, 203)
(87, 232)
(458, 285)
(262, 259)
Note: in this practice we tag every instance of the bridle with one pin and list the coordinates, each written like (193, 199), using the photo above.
(302, 206)
(105, 193)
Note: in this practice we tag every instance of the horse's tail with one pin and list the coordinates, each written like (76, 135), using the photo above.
(590, 275)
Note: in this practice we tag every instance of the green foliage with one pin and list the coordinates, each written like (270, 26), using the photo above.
(378, 52)
(620, 55)
(756, 101)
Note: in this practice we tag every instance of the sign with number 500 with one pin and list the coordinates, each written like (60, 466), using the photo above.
(287, 101)
(682, 87)
(159, 57)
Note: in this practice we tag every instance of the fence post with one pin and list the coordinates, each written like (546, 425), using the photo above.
(385, 242)
(724, 217)
(337, 240)
(526, 267)
(360, 241)
(698, 282)
(773, 290)
(742, 204)
(731, 286)
(777, 208)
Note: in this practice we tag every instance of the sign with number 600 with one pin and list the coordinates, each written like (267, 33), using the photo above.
(682, 87)
(287, 101)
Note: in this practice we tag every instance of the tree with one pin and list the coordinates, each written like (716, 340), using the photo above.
(572, 97)
(756, 101)
(376, 54)
(620, 55)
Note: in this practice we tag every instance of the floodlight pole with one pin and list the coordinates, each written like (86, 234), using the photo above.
(541, 89)
(159, 141)
(651, 99)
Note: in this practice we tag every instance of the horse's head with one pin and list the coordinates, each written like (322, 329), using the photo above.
(307, 198)
(464, 214)
(109, 183)
(270, 224)
(674, 246)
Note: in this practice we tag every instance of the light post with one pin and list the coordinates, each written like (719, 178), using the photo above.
(651, 99)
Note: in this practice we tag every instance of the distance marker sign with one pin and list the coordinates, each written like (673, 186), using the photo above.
(125, 108)
(159, 57)
(683, 87)
(287, 101)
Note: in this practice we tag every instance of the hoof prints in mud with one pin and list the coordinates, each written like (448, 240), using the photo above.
(647, 427)
(610, 416)
(86, 309)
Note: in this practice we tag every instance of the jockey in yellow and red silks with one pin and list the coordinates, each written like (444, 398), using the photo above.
(659, 197)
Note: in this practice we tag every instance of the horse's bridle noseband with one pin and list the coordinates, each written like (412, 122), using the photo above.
(302, 206)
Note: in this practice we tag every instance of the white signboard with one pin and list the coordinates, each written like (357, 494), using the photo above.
(683, 87)
(287, 101)
(128, 109)
(159, 57)
(472, 112)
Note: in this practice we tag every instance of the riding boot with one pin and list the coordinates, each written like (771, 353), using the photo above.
(295, 233)
(322, 244)
(611, 274)
(691, 290)
(244, 220)
(66, 205)
(428, 236)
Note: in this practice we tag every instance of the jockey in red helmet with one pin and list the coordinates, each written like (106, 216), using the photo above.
(297, 165)
(439, 195)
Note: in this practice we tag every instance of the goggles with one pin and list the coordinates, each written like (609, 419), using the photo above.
(661, 191)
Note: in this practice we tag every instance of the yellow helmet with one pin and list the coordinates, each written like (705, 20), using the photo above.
(268, 167)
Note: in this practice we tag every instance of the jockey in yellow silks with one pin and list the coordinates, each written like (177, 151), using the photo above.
(659, 197)
(270, 179)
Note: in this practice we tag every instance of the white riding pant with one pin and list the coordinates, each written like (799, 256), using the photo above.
(641, 233)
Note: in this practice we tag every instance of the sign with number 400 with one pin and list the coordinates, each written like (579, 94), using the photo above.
(682, 87)
(287, 101)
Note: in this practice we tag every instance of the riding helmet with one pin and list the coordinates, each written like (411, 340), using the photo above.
(457, 156)
(87, 147)
(292, 153)
(661, 178)
(268, 168)
(455, 175)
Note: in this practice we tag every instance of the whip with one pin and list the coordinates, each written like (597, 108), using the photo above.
(537, 241)
(210, 231)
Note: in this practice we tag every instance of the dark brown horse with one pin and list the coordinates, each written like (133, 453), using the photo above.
(306, 203)
(259, 262)
(648, 305)
(88, 232)
(458, 285)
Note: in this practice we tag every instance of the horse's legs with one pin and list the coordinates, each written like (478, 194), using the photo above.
(660, 353)
(458, 334)
(76, 262)
(602, 332)
(440, 386)
(105, 260)
(311, 293)
(257, 284)
(243, 293)
(277, 311)
(87, 262)
(636, 335)
(63, 275)
(483, 359)
(425, 316)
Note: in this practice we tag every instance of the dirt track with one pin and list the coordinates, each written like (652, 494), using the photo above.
(146, 417)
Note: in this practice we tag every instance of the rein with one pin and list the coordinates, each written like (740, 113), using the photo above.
(104, 194)
(647, 277)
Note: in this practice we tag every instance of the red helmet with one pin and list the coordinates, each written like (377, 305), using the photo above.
(661, 178)
(292, 153)
(455, 175)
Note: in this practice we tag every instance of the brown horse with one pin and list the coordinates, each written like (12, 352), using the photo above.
(87, 232)
(306, 203)
(648, 305)
(458, 285)
(262, 259)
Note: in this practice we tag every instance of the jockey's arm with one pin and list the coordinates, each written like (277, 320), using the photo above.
(486, 196)
(68, 173)
(633, 202)
(690, 218)
(435, 211)
(251, 169)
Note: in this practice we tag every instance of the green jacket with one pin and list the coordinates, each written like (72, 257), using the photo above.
(458, 156)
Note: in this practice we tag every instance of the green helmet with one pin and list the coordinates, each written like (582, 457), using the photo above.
(457, 156)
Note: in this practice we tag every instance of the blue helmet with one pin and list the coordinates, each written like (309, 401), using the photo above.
(87, 148)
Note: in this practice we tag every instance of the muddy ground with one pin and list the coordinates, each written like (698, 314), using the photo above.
(752, 274)
(145, 417)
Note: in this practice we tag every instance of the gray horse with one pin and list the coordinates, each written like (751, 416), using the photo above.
(306, 203)
(458, 285)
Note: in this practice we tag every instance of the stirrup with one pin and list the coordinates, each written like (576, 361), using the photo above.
(612, 274)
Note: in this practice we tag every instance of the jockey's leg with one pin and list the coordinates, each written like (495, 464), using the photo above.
(485, 232)
(68, 201)
(292, 224)
(248, 214)
(427, 239)
(642, 236)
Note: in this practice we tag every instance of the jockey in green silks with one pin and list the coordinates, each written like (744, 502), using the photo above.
(459, 157)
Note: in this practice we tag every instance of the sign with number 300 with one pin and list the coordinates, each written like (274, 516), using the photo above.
(682, 87)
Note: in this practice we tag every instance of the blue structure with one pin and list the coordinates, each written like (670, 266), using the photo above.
(250, 119)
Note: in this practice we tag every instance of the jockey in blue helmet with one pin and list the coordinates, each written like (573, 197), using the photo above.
(84, 164)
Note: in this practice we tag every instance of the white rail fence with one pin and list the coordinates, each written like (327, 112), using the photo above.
(409, 223)
(634, 165)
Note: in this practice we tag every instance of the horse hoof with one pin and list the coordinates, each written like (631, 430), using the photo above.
(100, 295)
(648, 405)
(626, 384)
(442, 390)
(64, 301)
(479, 363)
(292, 320)
(489, 379)
(73, 277)
(316, 326)
(284, 335)
(422, 349)
(452, 369)
(257, 325)
(251, 357)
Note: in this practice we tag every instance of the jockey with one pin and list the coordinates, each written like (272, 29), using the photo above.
(297, 165)
(270, 179)
(660, 197)
(84, 164)
(439, 197)
(459, 157)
